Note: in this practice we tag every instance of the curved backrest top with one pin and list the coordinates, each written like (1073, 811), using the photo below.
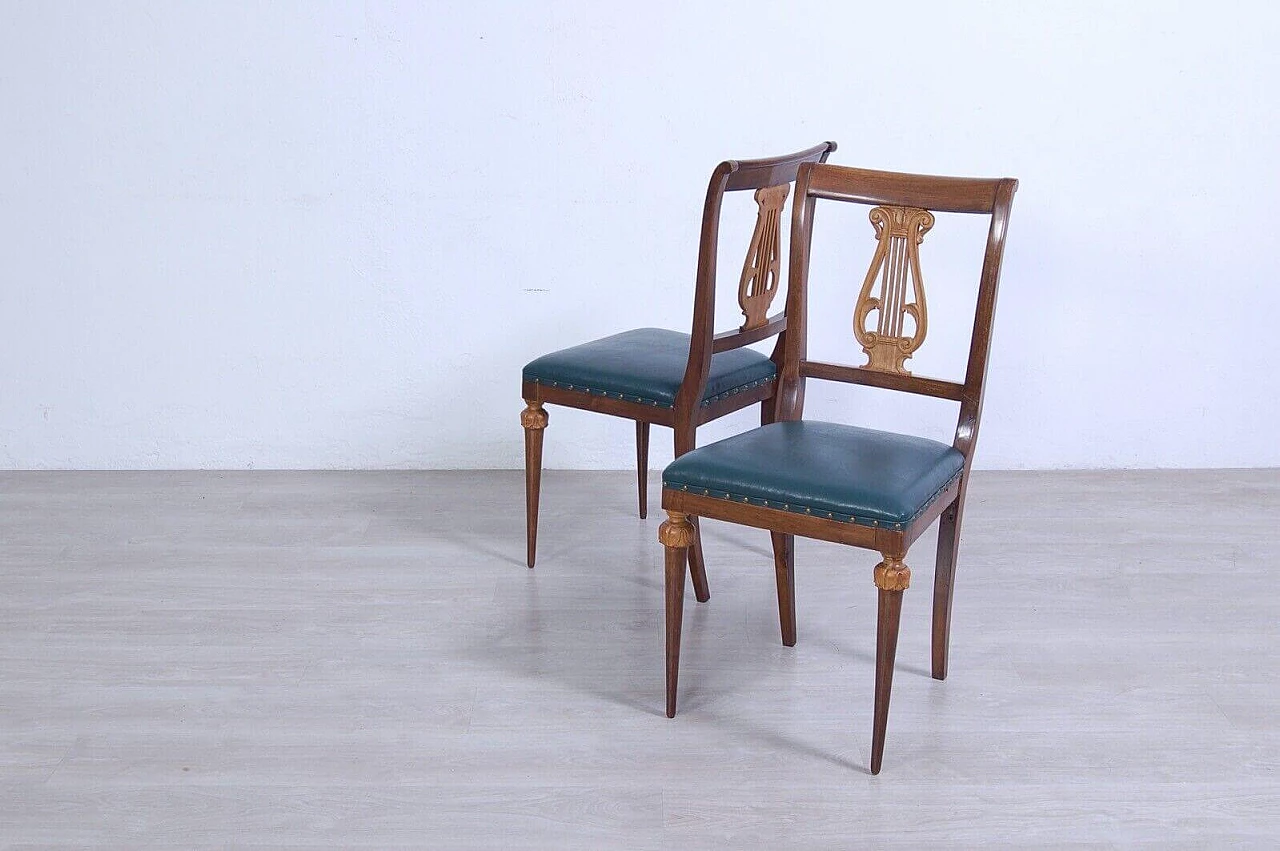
(770, 171)
(895, 189)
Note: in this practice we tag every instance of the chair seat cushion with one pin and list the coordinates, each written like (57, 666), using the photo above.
(832, 471)
(646, 365)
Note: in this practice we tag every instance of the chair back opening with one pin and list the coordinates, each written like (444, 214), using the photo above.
(771, 181)
(891, 314)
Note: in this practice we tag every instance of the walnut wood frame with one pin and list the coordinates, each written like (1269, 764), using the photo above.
(688, 413)
(993, 198)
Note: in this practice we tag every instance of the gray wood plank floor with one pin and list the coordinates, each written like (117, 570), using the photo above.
(207, 660)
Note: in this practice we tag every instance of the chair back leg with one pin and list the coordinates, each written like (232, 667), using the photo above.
(642, 466)
(944, 576)
(685, 441)
(785, 568)
(698, 565)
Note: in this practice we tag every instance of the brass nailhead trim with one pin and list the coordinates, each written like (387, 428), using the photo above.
(655, 403)
(707, 492)
(831, 514)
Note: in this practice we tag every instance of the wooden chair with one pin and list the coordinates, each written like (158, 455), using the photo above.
(655, 376)
(839, 483)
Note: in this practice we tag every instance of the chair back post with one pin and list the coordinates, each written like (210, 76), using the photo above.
(800, 334)
(789, 400)
(975, 377)
(704, 308)
(729, 176)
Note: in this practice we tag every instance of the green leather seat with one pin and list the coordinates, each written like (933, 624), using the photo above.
(833, 471)
(646, 365)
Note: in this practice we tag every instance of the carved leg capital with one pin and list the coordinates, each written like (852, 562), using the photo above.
(892, 575)
(676, 530)
(533, 417)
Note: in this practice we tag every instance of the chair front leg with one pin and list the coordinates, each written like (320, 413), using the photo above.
(892, 578)
(677, 534)
(534, 420)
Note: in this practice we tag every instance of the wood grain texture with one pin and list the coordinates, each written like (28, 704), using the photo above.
(361, 660)
(935, 387)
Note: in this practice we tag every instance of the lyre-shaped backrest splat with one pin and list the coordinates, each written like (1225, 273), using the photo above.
(896, 265)
(759, 282)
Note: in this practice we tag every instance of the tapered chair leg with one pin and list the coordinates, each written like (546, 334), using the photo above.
(534, 420)
(642, 466)
(892, 578)
(784, 567)
(697, 566)
(944, 576)
(676, 534)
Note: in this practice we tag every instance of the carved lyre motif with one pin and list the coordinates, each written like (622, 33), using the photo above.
(896, 264)
(759, 282)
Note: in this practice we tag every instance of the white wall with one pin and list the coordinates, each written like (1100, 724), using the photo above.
(271, 235)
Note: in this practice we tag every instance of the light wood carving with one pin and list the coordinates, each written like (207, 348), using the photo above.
(676, 530)
(534, 416)
(759, 282)
(892, 575)
(896, 265)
